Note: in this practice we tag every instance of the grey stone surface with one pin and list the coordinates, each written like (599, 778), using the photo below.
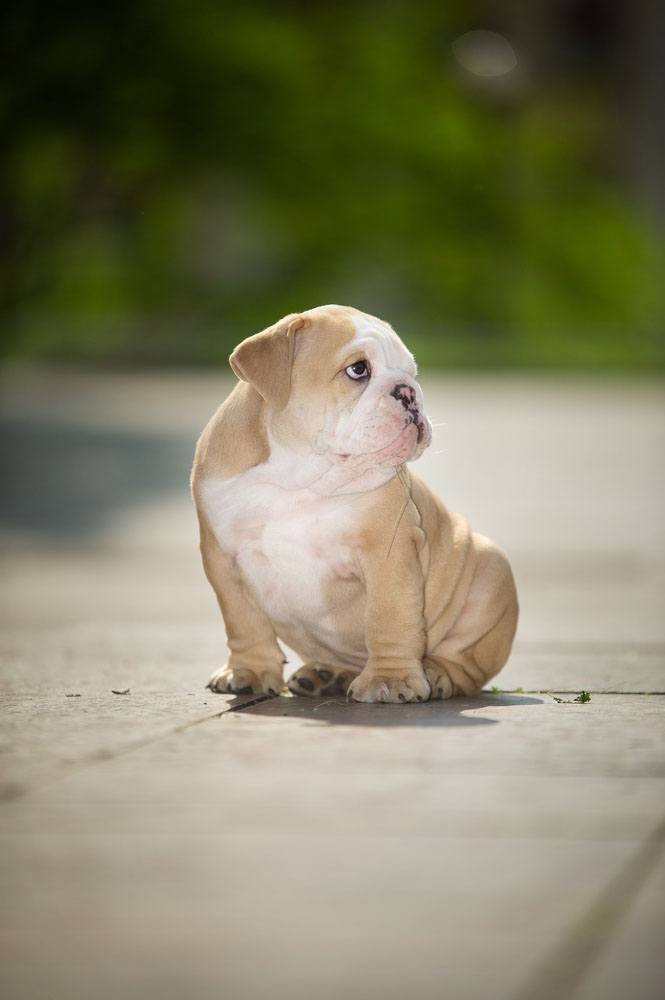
(281, 916)
(295, 848)
(170, 842)
(636, 955)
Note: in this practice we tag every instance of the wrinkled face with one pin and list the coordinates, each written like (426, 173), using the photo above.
(354, 396)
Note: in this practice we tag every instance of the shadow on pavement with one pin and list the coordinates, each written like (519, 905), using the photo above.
(336, 711)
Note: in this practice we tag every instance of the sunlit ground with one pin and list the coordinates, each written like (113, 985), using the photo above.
(505, 847)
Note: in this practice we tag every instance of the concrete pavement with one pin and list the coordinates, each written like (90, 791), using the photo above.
(169, 842)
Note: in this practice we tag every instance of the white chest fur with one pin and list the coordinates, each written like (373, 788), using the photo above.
(289, 545)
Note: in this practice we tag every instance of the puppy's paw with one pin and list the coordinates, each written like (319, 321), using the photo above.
(390, 687)
(439, 681)
(316, 679)
(243, 680)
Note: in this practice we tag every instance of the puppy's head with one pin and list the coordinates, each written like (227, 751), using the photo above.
(339, 383)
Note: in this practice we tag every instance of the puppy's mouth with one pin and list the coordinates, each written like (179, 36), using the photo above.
(413, 420)
(413, 417)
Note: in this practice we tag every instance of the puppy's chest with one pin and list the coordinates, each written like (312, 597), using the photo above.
(291, 548)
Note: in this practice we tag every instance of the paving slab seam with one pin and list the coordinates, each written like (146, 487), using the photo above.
(563, 970)
(591, 644)
(9, 791)
(591, 690)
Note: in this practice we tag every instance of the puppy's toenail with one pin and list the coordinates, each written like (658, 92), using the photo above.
(325, 675)
(401, 697)
(419, 697)
(306, 683)
(272, 691)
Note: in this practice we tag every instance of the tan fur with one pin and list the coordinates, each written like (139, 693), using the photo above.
(432, 604)
(266, 359)
(444, 599)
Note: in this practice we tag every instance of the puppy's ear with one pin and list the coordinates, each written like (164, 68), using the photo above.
(265, 360)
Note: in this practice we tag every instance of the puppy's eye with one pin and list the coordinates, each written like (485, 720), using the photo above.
(358, 370)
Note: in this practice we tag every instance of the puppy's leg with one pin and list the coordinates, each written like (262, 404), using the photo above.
(256, 661)
(479, 643)
(314, 679)
(395, 626)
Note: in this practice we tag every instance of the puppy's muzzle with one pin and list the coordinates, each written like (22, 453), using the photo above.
(406, 395)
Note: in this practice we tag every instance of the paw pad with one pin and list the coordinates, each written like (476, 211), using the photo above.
(316, 681)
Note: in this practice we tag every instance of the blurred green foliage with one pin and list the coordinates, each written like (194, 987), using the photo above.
(182, 174)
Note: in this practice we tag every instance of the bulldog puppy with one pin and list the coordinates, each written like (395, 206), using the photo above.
(314, 532)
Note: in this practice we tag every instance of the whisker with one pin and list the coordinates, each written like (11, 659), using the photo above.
(404, 480)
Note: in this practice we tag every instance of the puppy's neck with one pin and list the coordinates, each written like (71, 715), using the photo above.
(323, 475)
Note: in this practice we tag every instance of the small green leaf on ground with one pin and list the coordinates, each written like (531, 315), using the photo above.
(580, 699)
(498, 690)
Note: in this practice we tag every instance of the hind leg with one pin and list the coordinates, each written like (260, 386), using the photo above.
(314, 679)
(479, 643)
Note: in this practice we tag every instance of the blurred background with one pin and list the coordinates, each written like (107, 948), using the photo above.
(486, 176)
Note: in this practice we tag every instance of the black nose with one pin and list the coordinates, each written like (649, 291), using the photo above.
(405, 395)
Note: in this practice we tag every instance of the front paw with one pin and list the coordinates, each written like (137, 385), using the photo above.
(245, 680)
(390, 686)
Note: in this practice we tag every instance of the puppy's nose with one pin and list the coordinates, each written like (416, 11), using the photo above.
(405, 395)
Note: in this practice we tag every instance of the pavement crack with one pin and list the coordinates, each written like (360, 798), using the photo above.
(12, 790)
(249, 702)
(562, 971)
